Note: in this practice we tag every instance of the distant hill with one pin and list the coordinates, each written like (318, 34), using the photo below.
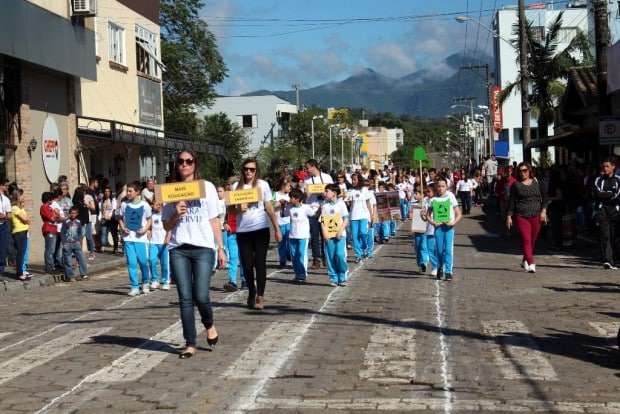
(427, 92)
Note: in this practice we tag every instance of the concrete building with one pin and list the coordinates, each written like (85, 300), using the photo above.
(507, 69)
(377, 145)
(263, 118)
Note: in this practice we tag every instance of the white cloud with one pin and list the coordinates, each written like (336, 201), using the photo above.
(220, 8)
(391, 59)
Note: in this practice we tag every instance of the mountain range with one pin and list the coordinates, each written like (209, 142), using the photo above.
(428, 92)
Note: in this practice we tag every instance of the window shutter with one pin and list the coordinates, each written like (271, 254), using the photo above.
(254, 121)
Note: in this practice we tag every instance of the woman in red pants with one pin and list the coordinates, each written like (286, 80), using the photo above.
(527, 208)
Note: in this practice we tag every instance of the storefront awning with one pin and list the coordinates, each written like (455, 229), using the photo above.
(113, 131)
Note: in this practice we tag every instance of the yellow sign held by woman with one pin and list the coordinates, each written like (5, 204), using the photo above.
(184, 191)
(249, 196)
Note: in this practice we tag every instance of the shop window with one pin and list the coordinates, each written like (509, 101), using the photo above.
(147, 61)
(249, 121)
(116, 40)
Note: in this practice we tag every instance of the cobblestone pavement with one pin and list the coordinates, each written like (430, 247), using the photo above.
(495, 339)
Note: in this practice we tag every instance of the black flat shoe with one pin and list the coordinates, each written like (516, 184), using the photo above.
(213, 341)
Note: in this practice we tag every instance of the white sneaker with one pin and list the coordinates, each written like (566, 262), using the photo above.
(145, 288)
(525, 265)
(532, 268)
(434, 272)
(134, 292)
(154, 285)
(165, 286)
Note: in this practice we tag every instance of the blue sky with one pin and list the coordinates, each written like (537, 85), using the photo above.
(262, 54)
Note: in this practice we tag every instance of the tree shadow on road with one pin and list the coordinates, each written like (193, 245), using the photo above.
(590, 287)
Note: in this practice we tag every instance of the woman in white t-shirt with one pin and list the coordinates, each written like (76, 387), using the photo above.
(253, 233)
(465, 190)
(195, 244)
(359, 204)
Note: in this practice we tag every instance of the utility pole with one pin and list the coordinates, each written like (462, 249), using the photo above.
(601, 34)
(296, 86)
(525, 104)
(487, 91)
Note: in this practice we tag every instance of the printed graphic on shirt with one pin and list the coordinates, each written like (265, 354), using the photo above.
(133, 218)
(441, 211)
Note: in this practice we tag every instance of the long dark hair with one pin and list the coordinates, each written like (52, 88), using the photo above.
(177, 176)
(360, 181)
(529, 168)
(256, 173)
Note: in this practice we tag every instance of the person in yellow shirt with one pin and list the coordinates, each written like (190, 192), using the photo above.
(20, 223)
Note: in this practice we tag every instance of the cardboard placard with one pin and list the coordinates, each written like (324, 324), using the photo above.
(315, 188)
(185, 191)
(251, 195)
(332, 224)
(441, 211)
(417, 224)
(388, 205)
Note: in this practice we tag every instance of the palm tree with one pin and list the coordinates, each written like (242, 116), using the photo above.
(548, 69)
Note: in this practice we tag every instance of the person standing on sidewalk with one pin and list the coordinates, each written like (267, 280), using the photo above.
(71, 235)
(253, 233)
(49, 217)
(195, 244)
(316, 200)
(606, 194)
(134, 223)
(20, 224)
(5, 231)
(528, 206)
(444, 213)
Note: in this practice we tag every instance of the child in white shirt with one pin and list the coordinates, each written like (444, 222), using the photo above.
(158, 250)
(300, 232)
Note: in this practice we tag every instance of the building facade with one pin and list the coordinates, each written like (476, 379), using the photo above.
(507, 69)
(377, 145)
(263, 118)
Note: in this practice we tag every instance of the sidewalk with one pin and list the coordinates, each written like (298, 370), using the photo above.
(9, 284)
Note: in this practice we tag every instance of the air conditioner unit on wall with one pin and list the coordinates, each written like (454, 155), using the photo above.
(83, 8)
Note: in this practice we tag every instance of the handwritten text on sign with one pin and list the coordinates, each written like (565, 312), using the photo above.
(316, 188)
(251, 195)
(173, 192)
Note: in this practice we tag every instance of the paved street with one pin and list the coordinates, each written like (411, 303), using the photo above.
(495, 339)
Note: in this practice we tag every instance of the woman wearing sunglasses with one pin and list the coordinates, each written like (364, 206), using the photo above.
(253, 233)
(195, 244)
(528, 207)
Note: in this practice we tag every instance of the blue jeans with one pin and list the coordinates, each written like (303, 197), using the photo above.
(444, 240)
(20, 239)
(359, 230)
(284, 247)
(336, 255)
(299, 256)
(90, 241)
(193, 267)
(73, 249)
(26, 261)
(316, 238)
(5, 235)
(136, 256)
(158, 253)
(50, 250)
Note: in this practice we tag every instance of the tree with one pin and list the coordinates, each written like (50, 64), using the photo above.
(193, 63)
(219, 129)
(547, 68)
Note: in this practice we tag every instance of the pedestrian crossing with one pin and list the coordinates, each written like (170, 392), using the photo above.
(388, 358)
(4, 334)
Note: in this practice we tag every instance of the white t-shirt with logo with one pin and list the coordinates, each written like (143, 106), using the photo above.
(359, 206)
(315, 200)
(61, 214)
(403, 189)
(194, 228)
(449, 196)
(158, 233)
(135, 216)
(283, 218)
(338, 207)
(465, 185)
(255, 218)
(300, 225)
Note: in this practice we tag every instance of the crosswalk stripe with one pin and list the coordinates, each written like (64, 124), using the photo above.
(133, 365)
(518, 356)
(44, 353)
(606, 329)
(390, 355)
(3, 334)
(264, 353)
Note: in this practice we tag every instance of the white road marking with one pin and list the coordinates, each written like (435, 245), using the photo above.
(44, 353)
(435, 404)
(606, 329)
(259, 358)
(134, 364)
(3, 334)
(390, 355)
(248, 399)
(121, 368)
(443, 351)
(518, 355)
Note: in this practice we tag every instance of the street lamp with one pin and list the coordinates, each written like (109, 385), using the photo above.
(465, 19)
(312, 131)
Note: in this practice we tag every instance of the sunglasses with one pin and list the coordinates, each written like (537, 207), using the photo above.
(186, 161)
(524, 170)
(249, 169)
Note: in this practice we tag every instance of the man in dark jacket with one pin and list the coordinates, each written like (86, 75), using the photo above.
(606, 193)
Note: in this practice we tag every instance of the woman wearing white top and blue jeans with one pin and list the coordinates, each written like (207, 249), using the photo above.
(195, 238)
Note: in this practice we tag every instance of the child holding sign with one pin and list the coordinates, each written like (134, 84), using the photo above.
(443, 214)
(299, 233)
(334, 221)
